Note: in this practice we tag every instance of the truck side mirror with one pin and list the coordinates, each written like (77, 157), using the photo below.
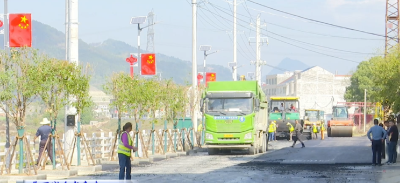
(201, 105)
(257, 104)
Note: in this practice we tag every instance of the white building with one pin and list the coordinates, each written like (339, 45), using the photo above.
(316, 87)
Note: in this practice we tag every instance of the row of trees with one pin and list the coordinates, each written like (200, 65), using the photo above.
(140, 96)
(380, 76)
(27, 76)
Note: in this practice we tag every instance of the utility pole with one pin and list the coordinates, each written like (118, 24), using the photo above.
(234, 74)
(5, 36)
(259, 42)
(72, 49)
(365, 108)
(392, 24)
(194, 63)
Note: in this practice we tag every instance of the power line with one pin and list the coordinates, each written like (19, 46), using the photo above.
(306, 42)
(240, 51)
(323, 34)
(375, 34)
(208, 20)
(357, 38)
(297, 45)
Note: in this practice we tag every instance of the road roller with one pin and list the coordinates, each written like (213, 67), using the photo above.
(340, 125)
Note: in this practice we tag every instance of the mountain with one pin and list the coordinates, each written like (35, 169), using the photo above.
(288, 64)
(109, 56)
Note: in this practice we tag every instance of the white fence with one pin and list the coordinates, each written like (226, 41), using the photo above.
(101, 144)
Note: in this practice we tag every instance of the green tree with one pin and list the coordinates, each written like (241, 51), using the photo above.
(80, 89)
(56, 78)
(18, 82)
(386, 79)
(117, 86)
(362, 79)
(18, 87)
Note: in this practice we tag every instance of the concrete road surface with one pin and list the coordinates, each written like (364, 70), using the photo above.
(333, 160)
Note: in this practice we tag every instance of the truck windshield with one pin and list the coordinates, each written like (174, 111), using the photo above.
(230, 105)
(287, 106)
(340, 112)
(312, 114)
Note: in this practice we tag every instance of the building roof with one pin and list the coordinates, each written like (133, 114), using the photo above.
(305, 70)
(287, 80)
(343, 75)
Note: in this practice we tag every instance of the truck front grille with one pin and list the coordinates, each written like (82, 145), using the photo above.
(233, 127)
(229, 139)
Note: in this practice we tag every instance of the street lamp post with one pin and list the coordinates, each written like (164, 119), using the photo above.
(365, 108)
(138, 21)
(205, 48)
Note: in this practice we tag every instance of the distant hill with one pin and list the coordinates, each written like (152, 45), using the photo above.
(109, 56)
(288, 65)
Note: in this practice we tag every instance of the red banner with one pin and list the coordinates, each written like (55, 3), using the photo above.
(211, 76)
(20, 30)
(148, 64)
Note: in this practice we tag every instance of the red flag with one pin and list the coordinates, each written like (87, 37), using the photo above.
(20, 30)
(148, 64)
(211, 76)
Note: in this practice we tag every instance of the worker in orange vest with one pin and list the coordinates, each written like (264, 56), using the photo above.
(322, 130)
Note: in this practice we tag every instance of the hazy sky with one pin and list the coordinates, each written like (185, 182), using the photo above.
(100, 20)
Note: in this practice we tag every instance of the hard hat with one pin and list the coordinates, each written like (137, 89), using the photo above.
(287, 123)
(315, 124)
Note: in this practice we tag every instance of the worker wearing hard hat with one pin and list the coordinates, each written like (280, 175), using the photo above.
(291, 129)
(315, 130)
(242, 78)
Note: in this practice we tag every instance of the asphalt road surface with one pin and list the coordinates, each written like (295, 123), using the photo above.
(332, 160)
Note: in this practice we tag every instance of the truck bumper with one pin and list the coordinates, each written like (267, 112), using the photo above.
(282, 134)
(230, 146)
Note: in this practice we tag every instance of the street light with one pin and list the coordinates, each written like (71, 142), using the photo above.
(206, 48)
(138, 21)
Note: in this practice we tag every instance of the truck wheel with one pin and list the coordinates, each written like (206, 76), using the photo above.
(212, 151)
(252, 150)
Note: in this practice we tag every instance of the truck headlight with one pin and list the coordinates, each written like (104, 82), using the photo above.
(209, 136)
(247, 136)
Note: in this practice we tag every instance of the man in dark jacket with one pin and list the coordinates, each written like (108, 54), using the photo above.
(393, 137)
(297, 133)
(44, 132)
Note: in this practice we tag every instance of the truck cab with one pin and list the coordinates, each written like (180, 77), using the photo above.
(235, 115)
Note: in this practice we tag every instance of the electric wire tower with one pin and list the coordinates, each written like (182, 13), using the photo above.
(392, 24)
(150, 33)
(150, 36)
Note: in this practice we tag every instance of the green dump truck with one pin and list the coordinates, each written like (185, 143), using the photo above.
(236, 114)
(284, 110)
